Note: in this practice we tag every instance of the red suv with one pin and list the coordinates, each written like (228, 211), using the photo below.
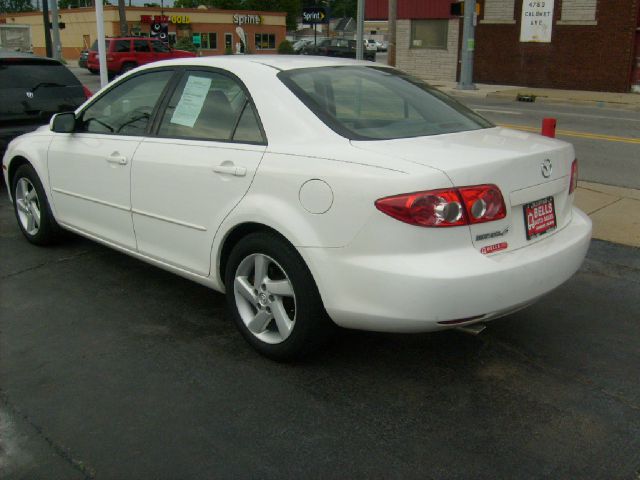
(125, 53)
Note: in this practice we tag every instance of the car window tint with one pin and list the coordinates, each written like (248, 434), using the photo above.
(205, 105)
(122, 46)
(94, 46)
(248, 129)
(160, 47)
(141, 46)
(126, 109)
(368, 103)
(29, 74)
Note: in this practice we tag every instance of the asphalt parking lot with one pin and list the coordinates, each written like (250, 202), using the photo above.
(110, 368)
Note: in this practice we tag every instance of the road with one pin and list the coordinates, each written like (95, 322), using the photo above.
(110, 368)
(607, 140)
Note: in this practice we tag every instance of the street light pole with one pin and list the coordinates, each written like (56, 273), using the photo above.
(391, 29)
(55, 27)
(102, 54)
(360, 30)
(468, 46)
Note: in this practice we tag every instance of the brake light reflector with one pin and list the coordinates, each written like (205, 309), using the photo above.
(446, 207)
(573, 183)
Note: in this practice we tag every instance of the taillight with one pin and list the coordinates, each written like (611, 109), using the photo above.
(446, 207)
(483, 203)
(573, 183)
(87, 92)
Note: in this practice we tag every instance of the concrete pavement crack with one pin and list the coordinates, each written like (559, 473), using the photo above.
(43, 264)
(64, 453)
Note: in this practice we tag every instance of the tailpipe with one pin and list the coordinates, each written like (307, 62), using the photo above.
(473, 329)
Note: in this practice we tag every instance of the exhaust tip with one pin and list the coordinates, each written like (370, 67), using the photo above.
(474, 329)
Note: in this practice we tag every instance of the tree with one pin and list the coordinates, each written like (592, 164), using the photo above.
(15, 6)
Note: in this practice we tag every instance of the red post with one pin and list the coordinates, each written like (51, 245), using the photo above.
(549, 127)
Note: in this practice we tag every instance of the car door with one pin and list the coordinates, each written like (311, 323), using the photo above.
(142, 51)
(89, 169)
(160, 50)
(187, 178)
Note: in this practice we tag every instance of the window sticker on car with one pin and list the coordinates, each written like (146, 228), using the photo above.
(191, 101)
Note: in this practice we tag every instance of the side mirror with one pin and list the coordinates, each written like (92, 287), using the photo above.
(63, 122)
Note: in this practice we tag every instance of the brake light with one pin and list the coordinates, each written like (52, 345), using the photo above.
(483, 203)
(573, 183)
(87, 92)
(446, 207)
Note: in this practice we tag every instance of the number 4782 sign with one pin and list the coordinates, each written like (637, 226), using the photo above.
(537, 21)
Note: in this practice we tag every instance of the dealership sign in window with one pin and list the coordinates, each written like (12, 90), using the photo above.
(537, 21)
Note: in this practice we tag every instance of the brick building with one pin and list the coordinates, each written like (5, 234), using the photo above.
(574, 44)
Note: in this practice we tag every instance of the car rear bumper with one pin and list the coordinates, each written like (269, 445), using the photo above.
(413, 293)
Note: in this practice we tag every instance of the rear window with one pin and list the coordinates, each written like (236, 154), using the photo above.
(28, 74)
(377, 103)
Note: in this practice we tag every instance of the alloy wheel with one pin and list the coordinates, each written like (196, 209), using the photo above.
(28, 206)
(265, 298)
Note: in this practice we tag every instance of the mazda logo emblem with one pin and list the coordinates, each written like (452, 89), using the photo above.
(546, 168)
(29, 94)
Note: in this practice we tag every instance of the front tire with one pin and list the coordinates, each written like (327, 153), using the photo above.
(273, 298)
(32, 209)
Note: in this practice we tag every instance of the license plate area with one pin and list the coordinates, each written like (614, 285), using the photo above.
(539, 217)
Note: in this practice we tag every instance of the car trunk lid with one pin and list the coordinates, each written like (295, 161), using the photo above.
(510, 159)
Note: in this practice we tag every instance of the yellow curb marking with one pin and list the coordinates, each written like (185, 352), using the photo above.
(570, 133)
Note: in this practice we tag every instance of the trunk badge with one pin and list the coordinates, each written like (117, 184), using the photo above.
(29, 94)
(499, 233)
(546, 168)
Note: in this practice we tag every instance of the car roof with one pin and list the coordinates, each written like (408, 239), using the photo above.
(277, 62)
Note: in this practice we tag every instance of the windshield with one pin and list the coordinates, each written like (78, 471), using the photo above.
(30, 74)
(377, 103)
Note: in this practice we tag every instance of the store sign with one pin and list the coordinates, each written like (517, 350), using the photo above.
(313, 15)
(247, 19)
(537, 21)
(164, 19)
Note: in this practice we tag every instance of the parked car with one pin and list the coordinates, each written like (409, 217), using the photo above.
(362, 198)
(298, 45)
(126, 53)
(82, 61)
(338, 47)
(32, 89)
(384, 46)
(371, 44)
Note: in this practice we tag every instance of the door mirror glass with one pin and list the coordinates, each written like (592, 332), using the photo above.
(63, 122)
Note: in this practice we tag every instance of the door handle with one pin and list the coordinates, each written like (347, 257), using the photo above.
(117, 159)
(230, 169)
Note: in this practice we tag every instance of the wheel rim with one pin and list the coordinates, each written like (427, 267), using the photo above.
(265, 298)
(28, 206)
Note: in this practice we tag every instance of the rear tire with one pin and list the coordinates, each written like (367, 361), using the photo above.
(32, 209)
(273, 299)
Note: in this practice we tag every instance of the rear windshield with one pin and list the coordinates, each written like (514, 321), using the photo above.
(28, 74)
(377, 103)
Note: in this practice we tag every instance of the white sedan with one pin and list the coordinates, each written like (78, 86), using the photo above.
(314, 191)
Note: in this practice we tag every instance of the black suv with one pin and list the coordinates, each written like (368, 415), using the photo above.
(31, 90)
(338, 47)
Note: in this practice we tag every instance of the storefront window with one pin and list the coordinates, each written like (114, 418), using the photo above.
(429, 33)
(208, 40)
(265, 41)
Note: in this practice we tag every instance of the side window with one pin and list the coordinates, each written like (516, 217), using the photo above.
(126, 109)
(210, 106)
(141, 46)
(159, 47)
(122, 46)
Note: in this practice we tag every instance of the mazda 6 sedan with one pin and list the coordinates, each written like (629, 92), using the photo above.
(314, 191)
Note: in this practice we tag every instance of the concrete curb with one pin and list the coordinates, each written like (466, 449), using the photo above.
(614, 211)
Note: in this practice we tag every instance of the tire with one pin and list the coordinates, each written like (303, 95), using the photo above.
(126, 67)
(282, 317)
(94, 71)
(29, 203)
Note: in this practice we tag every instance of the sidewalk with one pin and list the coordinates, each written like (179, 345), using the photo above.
(614, 211)
(548, 95)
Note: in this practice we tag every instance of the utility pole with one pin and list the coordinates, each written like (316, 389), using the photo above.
(122, 13)
(57, 48)
(391, 29)
(102, 54)
(47, 32)
(468, 46)
(359, 30)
